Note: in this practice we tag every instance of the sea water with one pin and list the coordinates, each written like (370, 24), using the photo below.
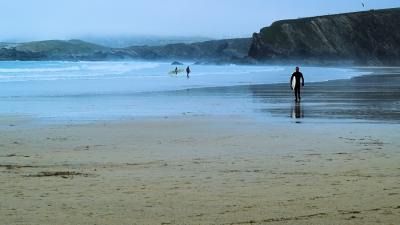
(87, 91)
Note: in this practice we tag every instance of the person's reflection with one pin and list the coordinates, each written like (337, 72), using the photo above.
(297, 111)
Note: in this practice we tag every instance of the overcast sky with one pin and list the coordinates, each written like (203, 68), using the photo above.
(50, 19)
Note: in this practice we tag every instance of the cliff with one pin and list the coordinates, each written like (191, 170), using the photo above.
(364, 38)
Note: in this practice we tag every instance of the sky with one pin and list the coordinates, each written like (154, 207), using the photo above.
(64, 19)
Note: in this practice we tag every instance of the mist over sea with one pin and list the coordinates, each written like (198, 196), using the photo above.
(87, 91)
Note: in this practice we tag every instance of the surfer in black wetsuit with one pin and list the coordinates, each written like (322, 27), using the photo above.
(187, 71)
(176, 70)
(297, 75)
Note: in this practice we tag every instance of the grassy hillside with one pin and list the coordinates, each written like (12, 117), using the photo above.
(60, 47)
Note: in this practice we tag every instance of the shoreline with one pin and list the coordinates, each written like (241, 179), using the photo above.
(358, 97)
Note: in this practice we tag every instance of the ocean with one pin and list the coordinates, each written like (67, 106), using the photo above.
(58, 91)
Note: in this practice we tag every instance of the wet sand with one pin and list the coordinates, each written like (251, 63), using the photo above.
(370, 98)
(209, 169)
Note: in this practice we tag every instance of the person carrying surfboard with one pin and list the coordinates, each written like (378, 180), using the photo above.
(187, 71)
(295, 83)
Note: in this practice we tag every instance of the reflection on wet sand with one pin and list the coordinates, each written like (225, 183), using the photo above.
(297, 111)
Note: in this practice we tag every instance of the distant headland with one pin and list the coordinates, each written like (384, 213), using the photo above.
(358, 38)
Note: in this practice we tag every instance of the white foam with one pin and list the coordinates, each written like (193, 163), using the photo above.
(34, 71)
(38, 70)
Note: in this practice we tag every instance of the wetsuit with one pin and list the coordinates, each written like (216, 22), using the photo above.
(187, 72)
(297, 76)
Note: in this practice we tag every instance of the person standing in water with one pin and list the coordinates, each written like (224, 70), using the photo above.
(176, 70)
(297, 75)
(187, 71)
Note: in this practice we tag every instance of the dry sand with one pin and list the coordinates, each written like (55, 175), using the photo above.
(199, 170)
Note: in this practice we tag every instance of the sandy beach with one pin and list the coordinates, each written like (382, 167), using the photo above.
(342, 168)
(200, 171)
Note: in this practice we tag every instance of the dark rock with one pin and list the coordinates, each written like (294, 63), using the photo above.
(176, 63)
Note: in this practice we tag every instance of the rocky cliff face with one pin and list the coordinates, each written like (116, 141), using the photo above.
(365, 38)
